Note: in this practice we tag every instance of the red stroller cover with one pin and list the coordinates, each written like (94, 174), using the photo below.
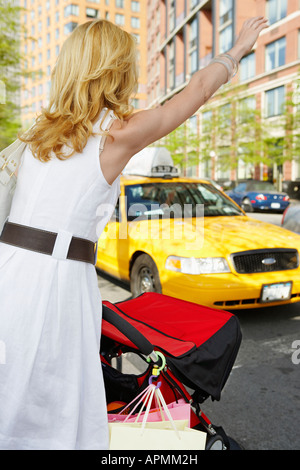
(200, 343)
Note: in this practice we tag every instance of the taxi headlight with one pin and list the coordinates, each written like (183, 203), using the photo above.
(197, 265)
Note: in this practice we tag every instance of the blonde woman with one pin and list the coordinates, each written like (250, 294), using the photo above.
(51, 386)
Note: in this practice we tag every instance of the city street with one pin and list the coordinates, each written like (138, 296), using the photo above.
(260, 404)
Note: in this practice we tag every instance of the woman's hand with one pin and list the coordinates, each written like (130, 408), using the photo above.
(248, 36)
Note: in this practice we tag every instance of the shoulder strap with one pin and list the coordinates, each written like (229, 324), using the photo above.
(105, 127)
(10, 159)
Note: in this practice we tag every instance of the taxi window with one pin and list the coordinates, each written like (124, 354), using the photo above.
(155, 200)
(165, 200)
(215, 203)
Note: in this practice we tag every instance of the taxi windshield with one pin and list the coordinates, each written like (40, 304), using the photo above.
(164, 200)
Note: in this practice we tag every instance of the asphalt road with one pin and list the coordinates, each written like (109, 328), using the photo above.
(260, 403)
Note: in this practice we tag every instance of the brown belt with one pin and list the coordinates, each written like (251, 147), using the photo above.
(43, 241)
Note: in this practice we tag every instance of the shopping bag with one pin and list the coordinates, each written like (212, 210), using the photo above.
(10, 159)
(165, 433)
(124, 436)
(179, 410)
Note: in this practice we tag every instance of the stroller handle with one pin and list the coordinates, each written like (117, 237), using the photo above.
(139, 340)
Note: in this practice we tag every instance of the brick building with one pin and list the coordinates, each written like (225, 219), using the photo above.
(49, 22)
(183, 36)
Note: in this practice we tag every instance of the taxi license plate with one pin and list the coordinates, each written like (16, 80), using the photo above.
(275, 205)
(276, 292)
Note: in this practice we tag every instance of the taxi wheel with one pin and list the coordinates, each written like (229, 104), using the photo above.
(144, 276)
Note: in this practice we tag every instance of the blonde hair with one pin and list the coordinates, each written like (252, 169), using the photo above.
(96, 68)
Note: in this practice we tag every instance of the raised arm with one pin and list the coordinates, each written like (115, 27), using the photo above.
(145, 127)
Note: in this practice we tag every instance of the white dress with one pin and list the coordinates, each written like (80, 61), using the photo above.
(51, 386)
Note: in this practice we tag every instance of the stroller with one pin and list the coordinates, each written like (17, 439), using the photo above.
(193, 346)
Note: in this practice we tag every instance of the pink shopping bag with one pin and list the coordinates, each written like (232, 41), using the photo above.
(180, 411)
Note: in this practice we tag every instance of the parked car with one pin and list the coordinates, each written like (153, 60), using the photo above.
(291, 217)
(236, 263)
(292, 188)
(256, 195)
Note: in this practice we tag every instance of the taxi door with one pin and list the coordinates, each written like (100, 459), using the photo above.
(112, 254)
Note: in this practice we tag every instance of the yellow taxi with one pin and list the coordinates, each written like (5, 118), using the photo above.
(185, 238)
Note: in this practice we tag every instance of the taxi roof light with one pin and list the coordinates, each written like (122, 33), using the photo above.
(152, 161)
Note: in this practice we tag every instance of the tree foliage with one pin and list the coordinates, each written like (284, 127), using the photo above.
(234, 129)
(10, 71)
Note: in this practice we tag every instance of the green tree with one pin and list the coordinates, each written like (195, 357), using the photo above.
(282, 141)
(183, 144)
(236, 130)
(10, 71)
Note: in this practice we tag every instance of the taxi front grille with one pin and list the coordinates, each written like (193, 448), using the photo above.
(262, 261)
(235, 304)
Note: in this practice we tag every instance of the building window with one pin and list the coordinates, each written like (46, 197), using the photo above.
(246, 109)
(119, 3)
(275, 101)
(172, 65)
(247, 67)
(135, 6)
(225, 116)
(194, 3)
(276, 10)
(91, 12)
(135, 103)
(275, 54)
(193, 45)
(172, 15)
(69, 27)
(226, 39)
(135, 22)
(226, 11)
(207, 118)
(120, 19)
(226, 25)
(71, 10)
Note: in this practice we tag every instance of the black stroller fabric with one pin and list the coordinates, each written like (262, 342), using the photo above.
(200, 343)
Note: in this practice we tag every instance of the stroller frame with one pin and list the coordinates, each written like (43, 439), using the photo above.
(123, 331)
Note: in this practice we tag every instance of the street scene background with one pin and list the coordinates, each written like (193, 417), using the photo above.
(260, 403)
(249, 130)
